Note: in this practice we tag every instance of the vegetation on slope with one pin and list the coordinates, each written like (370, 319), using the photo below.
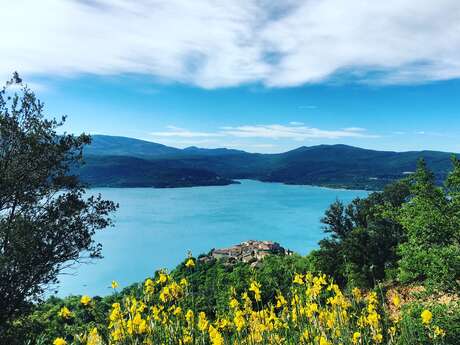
(357, 288)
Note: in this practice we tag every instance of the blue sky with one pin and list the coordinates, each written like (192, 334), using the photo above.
(245, 74)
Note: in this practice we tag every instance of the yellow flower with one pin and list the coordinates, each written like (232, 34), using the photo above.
(117, 334)
(234, 303)
(85, 300)
(298, 279)
(305, 336)
(396, 300)
(356, 337)
(149, 286)
(378, 338)
(94, 338)
(162, 278)
(190, 263)
(426, 316)
(215, 336)
(114, 284)
(280, 300)
(65, 313)
(189, 317)
(187, 339)
(255, 287)
(439, 332)
(142, 327)
(324, 341)
(202, 322)
(356, 293)
(59, 341)
(239, 320)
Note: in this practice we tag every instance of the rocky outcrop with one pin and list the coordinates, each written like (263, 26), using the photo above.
(251, 252)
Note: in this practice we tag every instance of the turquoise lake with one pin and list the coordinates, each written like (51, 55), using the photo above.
(155, 228)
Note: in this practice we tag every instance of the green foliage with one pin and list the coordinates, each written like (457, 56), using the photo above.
(46, 223)
(363, 239)
(445, 316)
(213, 281)
(430, 219)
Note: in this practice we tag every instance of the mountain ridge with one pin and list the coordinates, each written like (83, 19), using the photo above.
(122, 162)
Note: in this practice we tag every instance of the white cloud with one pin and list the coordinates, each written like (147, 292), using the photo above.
(174, 131)
(275, 131)
(227, 43)
(292, 132)
(354, 129)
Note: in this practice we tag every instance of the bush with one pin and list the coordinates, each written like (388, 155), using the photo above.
(445, 316)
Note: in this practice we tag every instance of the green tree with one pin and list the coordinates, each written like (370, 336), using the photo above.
(431, 222)
(363, 239)
(46, 222)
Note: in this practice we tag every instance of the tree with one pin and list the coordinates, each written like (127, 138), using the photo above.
(46, 222)
(362, 246)
(431, 221)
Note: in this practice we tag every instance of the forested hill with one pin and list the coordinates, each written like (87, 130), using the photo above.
(127, 162)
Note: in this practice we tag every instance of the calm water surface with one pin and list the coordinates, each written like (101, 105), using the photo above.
(154, 228)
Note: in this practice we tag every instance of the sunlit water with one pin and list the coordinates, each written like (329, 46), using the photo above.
(155, 228)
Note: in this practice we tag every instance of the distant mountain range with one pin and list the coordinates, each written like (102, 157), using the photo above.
(127, 162)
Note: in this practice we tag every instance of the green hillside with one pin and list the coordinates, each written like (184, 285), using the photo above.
(127, 162)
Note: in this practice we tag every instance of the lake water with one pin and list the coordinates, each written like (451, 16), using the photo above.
(155, 228)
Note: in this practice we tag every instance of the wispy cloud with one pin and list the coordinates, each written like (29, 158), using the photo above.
(215, 44)
(294, 131)
(430, 133)
(354, 129)
(184, 133)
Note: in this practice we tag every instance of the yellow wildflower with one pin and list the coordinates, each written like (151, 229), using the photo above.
(114, 284)
(396, 300)
(190, 263)
(94, 338)
(426, 316)
(356, 293)
(187, 339)
(239, 320)
(65, 313)
(189, 317)
(85, 300)
(305, 336)
(356, 337)
(323, 341)
(298, 279)
(255, 287)
(439, 332)
(378, 338)
(202, 322)
(215, 336)
(59, 341)
(280, 300)
(234, 303)
(162, 278)
(149, 286)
